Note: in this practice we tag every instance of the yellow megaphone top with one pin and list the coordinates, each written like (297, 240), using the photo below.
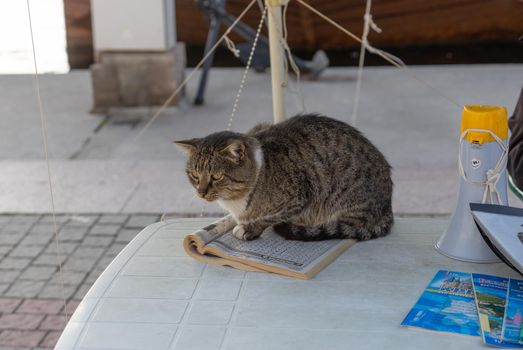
(493, 118)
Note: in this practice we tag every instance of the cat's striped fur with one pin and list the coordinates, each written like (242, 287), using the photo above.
(310, 177)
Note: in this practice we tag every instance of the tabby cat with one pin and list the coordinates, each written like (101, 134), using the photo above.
(310, 177)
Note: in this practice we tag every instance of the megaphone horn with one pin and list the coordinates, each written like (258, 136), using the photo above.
(482, 162)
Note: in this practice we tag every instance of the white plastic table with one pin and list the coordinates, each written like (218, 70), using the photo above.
(152, 296)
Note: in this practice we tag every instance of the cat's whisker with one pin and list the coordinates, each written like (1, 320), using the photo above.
(191, 201)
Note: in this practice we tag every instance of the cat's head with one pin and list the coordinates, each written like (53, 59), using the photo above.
(222, 165)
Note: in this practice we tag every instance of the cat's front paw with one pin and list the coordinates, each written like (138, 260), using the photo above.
(243, 233)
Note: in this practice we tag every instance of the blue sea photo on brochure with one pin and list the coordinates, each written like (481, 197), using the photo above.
(446, 305)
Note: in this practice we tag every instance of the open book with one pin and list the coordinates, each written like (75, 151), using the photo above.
(216, 245)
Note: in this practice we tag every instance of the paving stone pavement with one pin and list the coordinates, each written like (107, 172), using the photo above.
(32, 312)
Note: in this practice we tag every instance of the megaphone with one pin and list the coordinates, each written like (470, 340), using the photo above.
(482, 162)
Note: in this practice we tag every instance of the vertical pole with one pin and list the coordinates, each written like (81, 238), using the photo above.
(212, 37)
(274, 8)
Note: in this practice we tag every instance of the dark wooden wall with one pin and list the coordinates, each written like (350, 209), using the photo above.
(404, 23)
(79, 33)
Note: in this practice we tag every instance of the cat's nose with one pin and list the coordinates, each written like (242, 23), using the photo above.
(202, 190)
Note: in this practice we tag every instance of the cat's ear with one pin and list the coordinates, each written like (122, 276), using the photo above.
(187, 146)
(235, 151)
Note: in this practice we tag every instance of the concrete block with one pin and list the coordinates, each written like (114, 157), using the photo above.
(37, 239)
(93, 276)
(88, 252)
(126, 235)
(9, 304)
(17, 227)
(50, 259)
(63, 248)
(10, 238)
(59, 218)
(25, 289)
(105, 87)
(55, 291)
(140, 221)
(38, 273)
(82, 291)
(10, 263)
(114, 250)
(97, 241)
(35, 306)
(4, 249)
(4, 219)
(132, 79)
(113, 219)
(103, 262)
(73, 233)
(69, 278)
(104, 229)
(21, 338)
(26, 251)
(8, 276)
(24, 219)
(51, 339)
(79, 264)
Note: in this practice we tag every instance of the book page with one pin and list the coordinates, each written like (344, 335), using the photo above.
(272, 249)
(216, 229)
(269, 250)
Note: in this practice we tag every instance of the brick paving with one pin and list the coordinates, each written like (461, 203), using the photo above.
(31, 295)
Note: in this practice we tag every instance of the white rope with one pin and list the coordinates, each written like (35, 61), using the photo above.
(395, 61)
(231, 46)
(367, 19)
(492, 175)
(246, 70)
(43, 121)
(242, 82)
(368, 23)
(202, 212)
(289, 60)
(202, 61)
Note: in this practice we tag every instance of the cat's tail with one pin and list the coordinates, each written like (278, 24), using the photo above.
(335, 229)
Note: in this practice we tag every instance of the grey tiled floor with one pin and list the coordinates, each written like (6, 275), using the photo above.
(32, 313)
(87, 244)
(99, 165)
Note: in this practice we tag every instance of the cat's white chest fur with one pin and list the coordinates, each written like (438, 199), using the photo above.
(235, 207)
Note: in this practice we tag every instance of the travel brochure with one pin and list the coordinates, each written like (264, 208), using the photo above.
(512, 330)
(472, 305)
(446, 305)
(491, 299)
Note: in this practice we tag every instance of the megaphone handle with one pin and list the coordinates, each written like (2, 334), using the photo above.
(493, 175)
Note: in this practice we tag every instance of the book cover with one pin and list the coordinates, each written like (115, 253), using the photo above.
(446, 305)
(491, 296)
(512, 325)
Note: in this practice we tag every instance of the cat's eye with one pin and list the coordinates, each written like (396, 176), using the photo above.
(217, 177)
(194, 176)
